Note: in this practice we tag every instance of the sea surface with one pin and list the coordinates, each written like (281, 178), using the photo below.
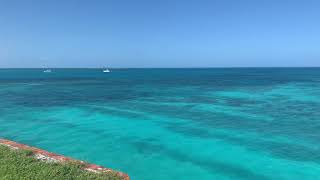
(163, 124)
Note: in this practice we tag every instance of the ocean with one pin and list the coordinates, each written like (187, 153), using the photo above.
(163, 124)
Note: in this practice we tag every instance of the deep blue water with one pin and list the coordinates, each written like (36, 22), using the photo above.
(245, 123)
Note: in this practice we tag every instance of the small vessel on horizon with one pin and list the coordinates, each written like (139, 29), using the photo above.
(47, 71)
(106, 71)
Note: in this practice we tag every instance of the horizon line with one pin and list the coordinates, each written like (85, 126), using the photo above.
(209, 67)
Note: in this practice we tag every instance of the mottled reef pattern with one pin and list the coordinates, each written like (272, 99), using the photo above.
(243, 123)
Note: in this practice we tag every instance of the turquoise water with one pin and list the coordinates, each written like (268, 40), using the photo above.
(164, 124)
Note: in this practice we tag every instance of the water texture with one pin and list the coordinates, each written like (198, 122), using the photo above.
(255, 123)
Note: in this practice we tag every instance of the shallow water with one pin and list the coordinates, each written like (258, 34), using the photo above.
(171, 123)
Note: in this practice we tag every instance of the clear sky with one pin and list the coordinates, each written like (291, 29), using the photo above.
(159, 33)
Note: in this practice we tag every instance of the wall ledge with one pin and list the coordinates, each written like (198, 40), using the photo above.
(52, 157)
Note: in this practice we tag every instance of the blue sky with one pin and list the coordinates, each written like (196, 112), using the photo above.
(159, 33)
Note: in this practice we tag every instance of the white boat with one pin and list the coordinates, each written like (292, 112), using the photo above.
(47, 71)
(106, 71)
